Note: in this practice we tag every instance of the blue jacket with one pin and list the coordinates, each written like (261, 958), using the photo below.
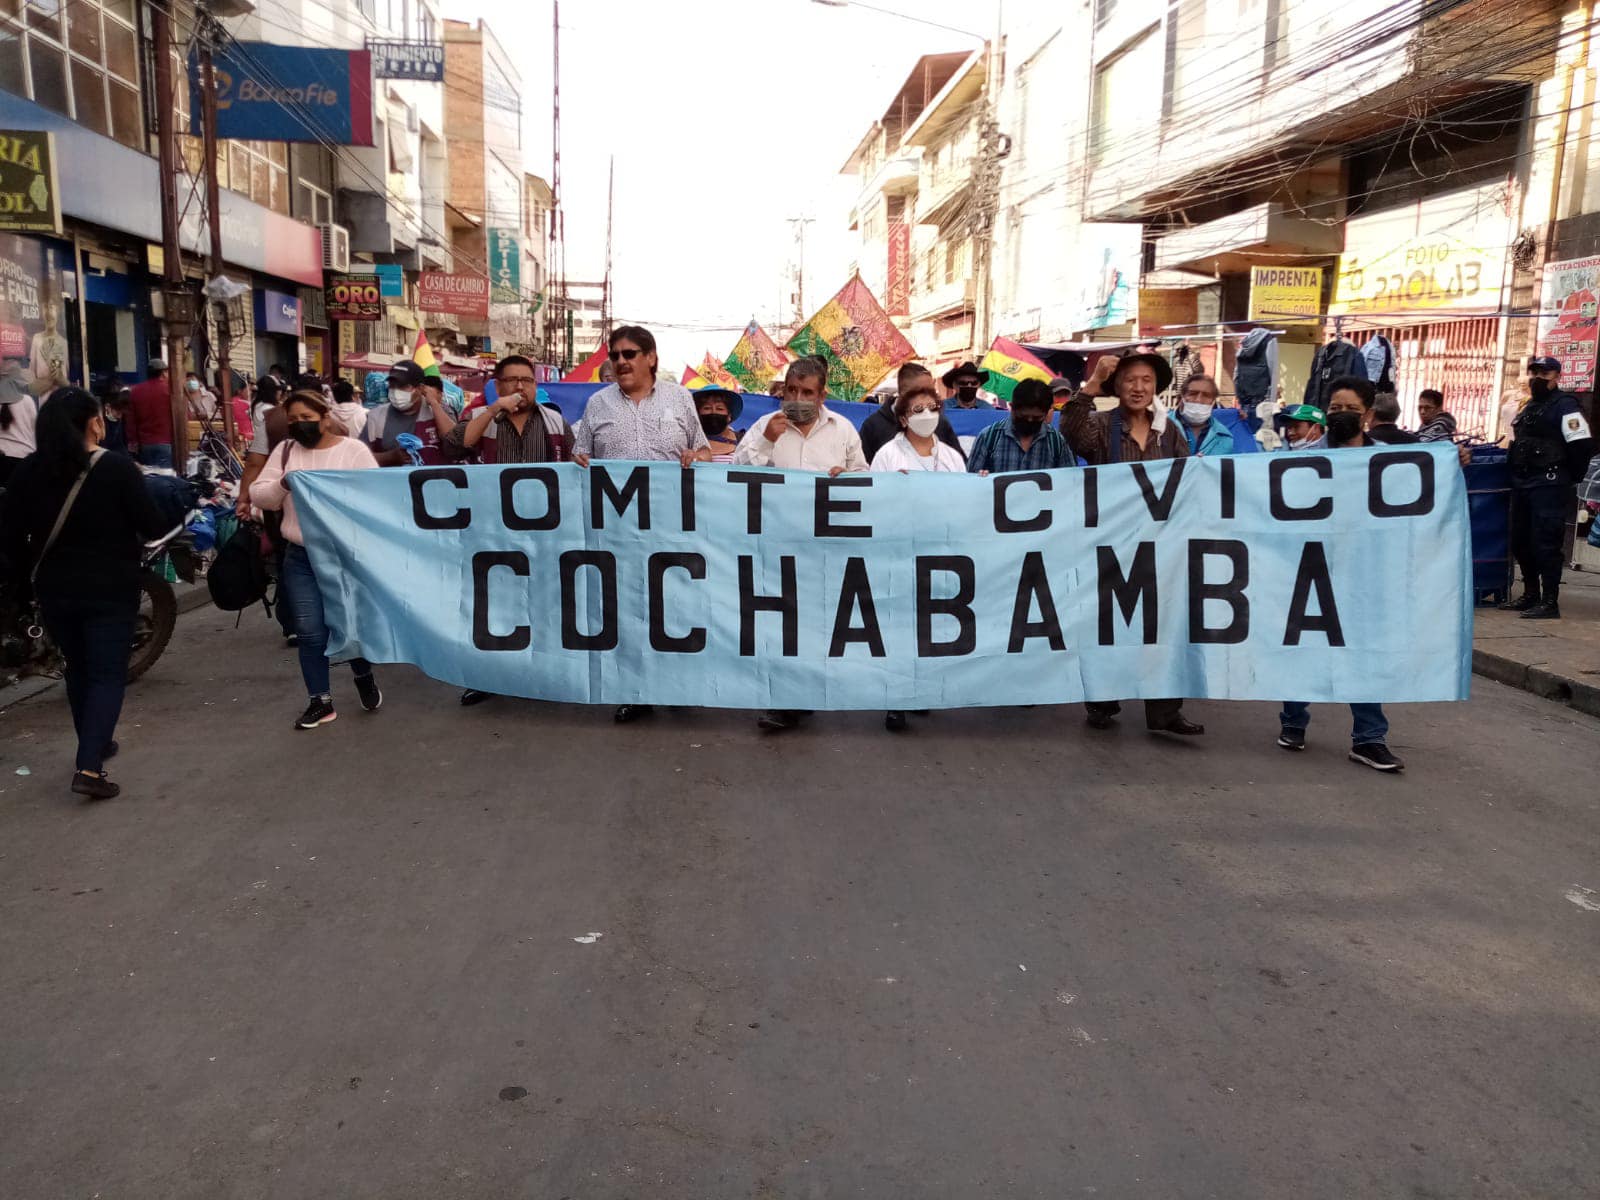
(1226, 434)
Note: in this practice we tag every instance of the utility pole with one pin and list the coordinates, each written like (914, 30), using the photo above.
(605, 286)
(555, 311)
(178, 301)
(208, 118)
(800, 224)
(992, 147)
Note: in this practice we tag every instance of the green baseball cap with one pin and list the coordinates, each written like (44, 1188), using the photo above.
(1307, 412)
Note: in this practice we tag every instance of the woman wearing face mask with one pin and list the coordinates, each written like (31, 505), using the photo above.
(314, 445)
(1350, 401)
(719, 408)
(917, 448)
(72, 523)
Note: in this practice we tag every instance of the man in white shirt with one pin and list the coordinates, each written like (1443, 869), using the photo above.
(803, 435)
(640, 418)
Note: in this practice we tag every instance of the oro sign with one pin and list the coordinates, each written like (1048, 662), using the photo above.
(354, 298)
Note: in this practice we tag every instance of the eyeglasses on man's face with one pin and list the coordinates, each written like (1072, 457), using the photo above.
(627, 353)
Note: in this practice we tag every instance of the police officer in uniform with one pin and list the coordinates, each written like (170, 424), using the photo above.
(1549, 455)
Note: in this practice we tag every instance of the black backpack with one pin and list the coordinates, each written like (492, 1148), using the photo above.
(238, 576)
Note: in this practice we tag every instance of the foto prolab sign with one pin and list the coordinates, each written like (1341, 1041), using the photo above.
(29, 199)
(289, 94)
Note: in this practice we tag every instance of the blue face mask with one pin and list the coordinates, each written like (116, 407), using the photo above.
(1320, 442)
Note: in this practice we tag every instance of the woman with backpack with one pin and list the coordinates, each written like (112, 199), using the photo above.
(315, 443)
(73, 523)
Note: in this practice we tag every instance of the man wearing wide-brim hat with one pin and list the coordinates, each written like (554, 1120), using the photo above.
(1131, 432)
(963, 383)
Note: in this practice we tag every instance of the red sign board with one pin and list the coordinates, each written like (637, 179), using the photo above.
(899, 297)
(463, 295)
(354, 298)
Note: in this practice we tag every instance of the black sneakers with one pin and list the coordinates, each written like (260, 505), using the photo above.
(1545, 610)
(367, 689)
(318, 712)
(1521, 604)
(1292, 739)
(1375, 755)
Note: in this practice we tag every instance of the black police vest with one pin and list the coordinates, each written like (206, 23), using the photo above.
(1538, 449)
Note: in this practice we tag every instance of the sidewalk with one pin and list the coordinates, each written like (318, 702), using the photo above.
(1559, 660)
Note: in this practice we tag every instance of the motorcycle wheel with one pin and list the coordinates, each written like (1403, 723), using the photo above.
(152, 629)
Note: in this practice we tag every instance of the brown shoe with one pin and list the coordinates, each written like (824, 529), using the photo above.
(94, 787)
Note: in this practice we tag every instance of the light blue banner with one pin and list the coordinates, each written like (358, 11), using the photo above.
(1323, 577)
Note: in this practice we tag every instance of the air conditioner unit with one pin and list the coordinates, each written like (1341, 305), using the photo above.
(335, 247)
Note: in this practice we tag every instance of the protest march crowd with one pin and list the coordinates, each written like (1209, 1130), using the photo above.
(74, 514)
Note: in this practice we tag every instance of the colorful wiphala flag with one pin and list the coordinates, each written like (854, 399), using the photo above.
(713, 372)
(588, 371)
(756, 359)
(1009, 364)
(856, 338)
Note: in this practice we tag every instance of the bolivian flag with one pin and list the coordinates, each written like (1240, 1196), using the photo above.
(693, 380)
(422, 355)
(588, 371)
(1009, 364)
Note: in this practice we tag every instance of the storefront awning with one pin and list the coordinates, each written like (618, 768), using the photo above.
(1235, 243)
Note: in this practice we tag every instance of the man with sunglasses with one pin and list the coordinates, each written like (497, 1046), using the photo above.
(640, 418)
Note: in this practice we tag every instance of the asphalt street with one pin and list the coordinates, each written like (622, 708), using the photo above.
(518, 951)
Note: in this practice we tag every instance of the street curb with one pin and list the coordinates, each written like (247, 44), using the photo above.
(1574, 693)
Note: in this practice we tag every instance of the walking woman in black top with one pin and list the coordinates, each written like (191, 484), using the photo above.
(75, 518)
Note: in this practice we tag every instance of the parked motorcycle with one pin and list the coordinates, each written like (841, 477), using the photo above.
(26, 648)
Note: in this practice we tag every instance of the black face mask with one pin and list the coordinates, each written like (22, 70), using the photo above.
(1027, 426)
(1539, 388)
(966, 393)
(713, 423)
(307, 433)
(1344, 426)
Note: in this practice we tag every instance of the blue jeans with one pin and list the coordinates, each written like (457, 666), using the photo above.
(95, 636)
(156, 456)
(1367, 722)
(304, 600)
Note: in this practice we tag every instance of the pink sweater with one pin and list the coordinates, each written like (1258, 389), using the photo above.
(268, 491)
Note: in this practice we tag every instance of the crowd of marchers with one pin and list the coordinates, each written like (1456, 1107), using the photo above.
(74, 517)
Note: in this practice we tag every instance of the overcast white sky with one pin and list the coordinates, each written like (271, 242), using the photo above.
(726, 117)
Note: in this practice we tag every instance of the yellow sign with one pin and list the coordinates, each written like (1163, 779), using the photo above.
(1445, 252)
(1160, 307)
(1286, 295)
(29, 199)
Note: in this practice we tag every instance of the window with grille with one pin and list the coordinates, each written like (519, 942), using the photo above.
(79, 58)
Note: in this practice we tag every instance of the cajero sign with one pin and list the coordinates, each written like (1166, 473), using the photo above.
(29, 199)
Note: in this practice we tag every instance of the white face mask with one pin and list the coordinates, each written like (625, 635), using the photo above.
(1195, 412)
(1310, 443)
(923, 423)
(401, 398)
